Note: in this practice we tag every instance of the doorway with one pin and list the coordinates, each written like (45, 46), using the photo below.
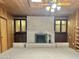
(61, 30)
(3, 35)
(20, 29)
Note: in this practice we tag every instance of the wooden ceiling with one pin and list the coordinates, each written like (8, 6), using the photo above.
(26, 7)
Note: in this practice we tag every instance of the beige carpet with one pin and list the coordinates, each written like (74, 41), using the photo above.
(40, 53)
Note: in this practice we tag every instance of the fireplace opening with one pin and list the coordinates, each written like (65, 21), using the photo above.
(40, 38)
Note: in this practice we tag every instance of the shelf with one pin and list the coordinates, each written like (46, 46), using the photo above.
(77, 43)
(77, 32)
(77, 40)
(77, 46)
(77, 36)
(77, 27)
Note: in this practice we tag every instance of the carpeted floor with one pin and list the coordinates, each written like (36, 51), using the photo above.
(40, 53)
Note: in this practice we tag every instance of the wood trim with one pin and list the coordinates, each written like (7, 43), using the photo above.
(3, 18)
(20, 26)
(60, 25)
(7, 33)
(67, 26)
(26, 29)
(28, 2)
(14, 26)
(0, 37)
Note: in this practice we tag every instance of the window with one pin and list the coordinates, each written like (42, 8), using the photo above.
(36, 0)
(23, 24)
(20, 25)
(61, 26)
(57, 26)
(17, 25)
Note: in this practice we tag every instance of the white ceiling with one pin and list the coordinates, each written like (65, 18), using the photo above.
(26, 7)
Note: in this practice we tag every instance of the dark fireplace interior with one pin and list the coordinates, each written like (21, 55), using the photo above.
(40, 38)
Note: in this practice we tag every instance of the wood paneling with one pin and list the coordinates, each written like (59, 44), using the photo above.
(72, 30)
(3, 12)
(3, 32)
(10, 29)
(42, 4)
(6, 30)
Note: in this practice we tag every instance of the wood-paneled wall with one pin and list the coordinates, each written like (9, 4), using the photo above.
(73, 23)
(10, 26)
(71, 29)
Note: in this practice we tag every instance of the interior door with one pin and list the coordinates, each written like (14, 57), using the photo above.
(61, 30)
(20, 34)
(3, 29)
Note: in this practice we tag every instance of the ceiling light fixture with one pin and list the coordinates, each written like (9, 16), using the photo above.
(48, 8)
(36, 0)
(53, 6)
(52, 10)
(58, 8)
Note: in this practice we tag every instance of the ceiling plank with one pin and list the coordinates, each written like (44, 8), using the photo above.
(26, 7)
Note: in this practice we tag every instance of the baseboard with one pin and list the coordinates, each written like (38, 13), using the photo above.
(18, 45)
(40, 45)
(62, 44)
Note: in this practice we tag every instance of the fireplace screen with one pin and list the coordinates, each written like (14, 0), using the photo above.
(40, 38)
